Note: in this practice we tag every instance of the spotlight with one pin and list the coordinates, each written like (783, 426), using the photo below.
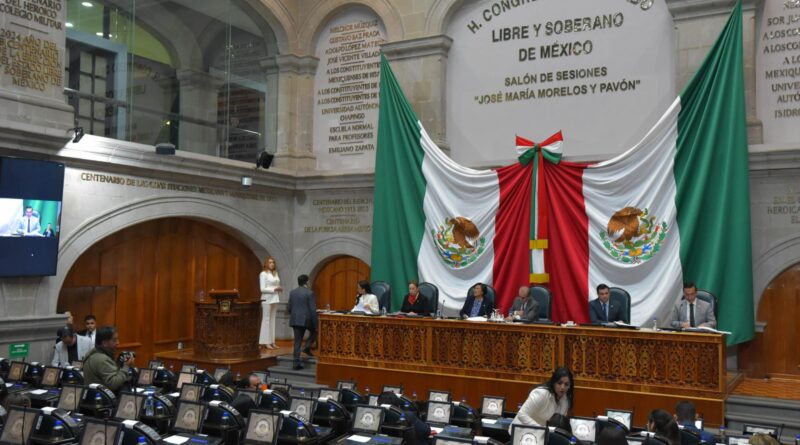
(77, 134)
(165, 148)
(247, 181)
(264, 160)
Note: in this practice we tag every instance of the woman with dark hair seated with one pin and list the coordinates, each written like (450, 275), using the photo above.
(664, 425)
(611, 435)
(365, 301)
(478, 304)
(554, 396)
(415, 302)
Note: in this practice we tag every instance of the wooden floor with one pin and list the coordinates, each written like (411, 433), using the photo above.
(265, 359)
(787, 388)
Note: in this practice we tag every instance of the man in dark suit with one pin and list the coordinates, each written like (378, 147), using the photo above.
(478, 304)
(302, 316)
(601, 309)
(525, 307)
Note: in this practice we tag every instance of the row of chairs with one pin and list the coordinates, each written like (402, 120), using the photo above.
(619, 297)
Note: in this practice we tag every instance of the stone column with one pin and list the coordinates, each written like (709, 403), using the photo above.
(290, 91)
(420, 66)
(199, 108)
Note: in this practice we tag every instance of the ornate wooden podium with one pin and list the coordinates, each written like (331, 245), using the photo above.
(226, 329)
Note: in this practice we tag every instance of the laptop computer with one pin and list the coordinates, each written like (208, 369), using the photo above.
(329, 393)
(439, 414)
(303, 406)
(98, 432)
(191, 392)
(438, 396)
(492, 406)
(18, 426)
(584, 428)
(70, 397)
(184, 377)
(528, 435)
(367, 420)
(620, 415)
(129, 406)
(263, 428)
(189, 418)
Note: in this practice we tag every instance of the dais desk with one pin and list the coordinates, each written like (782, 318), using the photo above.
(613, 368)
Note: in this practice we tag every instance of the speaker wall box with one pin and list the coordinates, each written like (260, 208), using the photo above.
(165, 149)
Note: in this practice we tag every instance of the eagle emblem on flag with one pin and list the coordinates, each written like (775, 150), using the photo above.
(459, 242)
(632, 236)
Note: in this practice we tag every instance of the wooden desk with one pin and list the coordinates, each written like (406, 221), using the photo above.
(614, 368)
(231, 335)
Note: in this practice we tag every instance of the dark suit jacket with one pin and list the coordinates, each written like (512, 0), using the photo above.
(531, 308)
(486, 307)
(596, 312)
(302, 308)
(419, 307)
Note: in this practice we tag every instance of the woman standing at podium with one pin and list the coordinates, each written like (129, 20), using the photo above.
(270, 284)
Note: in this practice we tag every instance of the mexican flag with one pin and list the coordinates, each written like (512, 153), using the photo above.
(674, 207)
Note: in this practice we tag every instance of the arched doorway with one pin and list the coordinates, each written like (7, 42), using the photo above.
(146, 278)
(335, 283)
(772, 352)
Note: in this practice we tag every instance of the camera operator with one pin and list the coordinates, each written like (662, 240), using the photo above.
(99, 365)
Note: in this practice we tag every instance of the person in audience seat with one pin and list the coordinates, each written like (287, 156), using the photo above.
(99, 365)
(611, 436)
(554, 396)
(685, 415)
(415, 302)
(662, 423)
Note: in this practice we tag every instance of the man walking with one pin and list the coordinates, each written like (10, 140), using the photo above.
(302, 316)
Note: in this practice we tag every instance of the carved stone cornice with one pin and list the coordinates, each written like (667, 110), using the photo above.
(290, 63)
(438, 45)
(690, 9)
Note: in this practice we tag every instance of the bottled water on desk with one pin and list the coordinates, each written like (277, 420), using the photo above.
(226, 420)
(142, 440)
(331, 412)
(655, 324)
(58, 430)
(149, 407)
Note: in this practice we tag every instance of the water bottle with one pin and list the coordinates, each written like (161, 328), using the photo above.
(722, 433)
(366, 388)
(655, 324)
(142, 440)
(573, 440)
(383, 312)
(797, 439)
(98, 401)
(58, 431)
(159, 409)
(301, 430)
(331, 412)
(414, 395)
(149, 408)
(225, 420)
(402, 419)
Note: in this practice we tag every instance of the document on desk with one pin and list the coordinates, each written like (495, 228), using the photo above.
(359, 438)
(38, 392)
(477, 319)
(177, 440)
(489, 421)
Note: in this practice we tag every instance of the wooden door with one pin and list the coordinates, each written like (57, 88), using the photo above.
(335, 283)
(776, 351)
(100, 301)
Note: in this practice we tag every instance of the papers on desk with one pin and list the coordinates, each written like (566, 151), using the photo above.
(436, 429)
(706, 329)
(177, 440)
(477, 319)
(480, 439)
(38, 392)
(359, 438)
(489, 421)
(174, 394)
(9, 385)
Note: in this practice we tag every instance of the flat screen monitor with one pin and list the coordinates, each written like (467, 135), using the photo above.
(346, 384)
(145, 377)
(30, 216)
(17, 371)
(329, 393)
(438, 396)
(261, 375)
(98, 432)
(622, 416)
(70, 397)
(439, 413)
(189, 367)
(303, 406)
(155, 364)
(18, 426)
(252, 394)
(262, 428)
(184, 377)
(189, 418)
(528, 435)
(191, 392)
(372, 400)
(77, 364)
(492, 406)
(129, 406)
(449, 440)
(367, 419)
(51, 376)
(395, 389)
(736, 439)
(583, 428)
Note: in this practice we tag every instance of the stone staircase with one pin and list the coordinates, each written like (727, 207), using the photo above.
(741, 410)
(305, 378)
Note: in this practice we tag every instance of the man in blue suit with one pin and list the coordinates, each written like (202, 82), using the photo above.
(601, 309)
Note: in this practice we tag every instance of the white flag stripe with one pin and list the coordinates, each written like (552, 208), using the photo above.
(638, 178)
(454, 190)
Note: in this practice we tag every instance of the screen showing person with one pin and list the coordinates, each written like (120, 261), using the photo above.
(128, 406)
(97, 432)
(184, 377)
(70, 397)
(527, 435)
(18, 425)
(51, 376)
(189, 417)
(439, 396)
(189, 367)
(16, 371)
(395, 389)
(191, 392)
(439, 412)
(302, 406)
(145, 377)
(328, 393)
(492, 406)
(367, 419)
(623, 417)
(583, 428)
(346, 384)
(261, 427)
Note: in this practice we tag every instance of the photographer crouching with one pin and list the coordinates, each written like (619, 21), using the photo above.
(99, 365)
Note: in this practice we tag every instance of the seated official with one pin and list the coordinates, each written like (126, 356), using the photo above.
(365, 301)
(685, 415)
(99, 365)
(72, 347)
(691, 312)
(415, 302)
(602, 309)
(478, 304)
(524, 307)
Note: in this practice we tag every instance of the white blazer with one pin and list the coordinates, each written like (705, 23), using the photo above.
(268, 282)
(61, 355)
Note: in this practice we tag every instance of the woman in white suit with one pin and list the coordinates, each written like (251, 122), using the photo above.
(270, 284)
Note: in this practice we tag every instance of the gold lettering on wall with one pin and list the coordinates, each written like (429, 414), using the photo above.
(342, 215)
(30, 61)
